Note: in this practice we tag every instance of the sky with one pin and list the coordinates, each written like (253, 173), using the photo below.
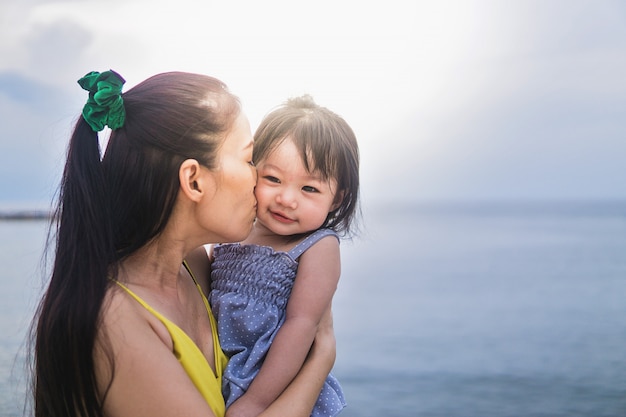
(450, 100)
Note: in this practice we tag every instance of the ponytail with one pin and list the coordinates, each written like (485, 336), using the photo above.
(68, 316)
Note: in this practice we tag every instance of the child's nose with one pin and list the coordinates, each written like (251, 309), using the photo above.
(287, 198)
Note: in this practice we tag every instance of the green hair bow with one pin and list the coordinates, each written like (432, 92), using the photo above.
(105, 106)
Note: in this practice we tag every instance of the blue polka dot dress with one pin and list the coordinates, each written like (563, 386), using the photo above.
(250, 287)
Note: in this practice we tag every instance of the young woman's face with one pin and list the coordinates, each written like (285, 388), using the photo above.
(233, 206)
(291, 200)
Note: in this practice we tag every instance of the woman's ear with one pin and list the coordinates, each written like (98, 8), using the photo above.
(194, 183)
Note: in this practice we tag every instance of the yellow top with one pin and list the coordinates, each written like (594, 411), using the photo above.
(209, 383)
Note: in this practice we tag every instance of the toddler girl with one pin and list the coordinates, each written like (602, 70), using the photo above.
(270, 292)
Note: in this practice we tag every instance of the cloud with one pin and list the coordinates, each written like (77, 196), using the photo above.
(450, 99)
(537, 113)
(36, 121)
(20, 89)
(53, 45)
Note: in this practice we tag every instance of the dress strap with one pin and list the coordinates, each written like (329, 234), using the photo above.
(309, 241)
(186, 265)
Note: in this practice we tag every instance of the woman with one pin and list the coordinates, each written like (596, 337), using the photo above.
(124, 328)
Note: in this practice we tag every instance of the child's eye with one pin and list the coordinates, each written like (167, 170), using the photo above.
(272, 179)
(309, 189)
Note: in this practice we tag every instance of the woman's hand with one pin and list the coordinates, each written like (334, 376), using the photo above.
(325, 345)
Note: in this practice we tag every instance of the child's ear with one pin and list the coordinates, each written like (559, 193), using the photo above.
(193, 182)
(338, 200)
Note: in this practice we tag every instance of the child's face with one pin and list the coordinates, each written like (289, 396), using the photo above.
(290, 199)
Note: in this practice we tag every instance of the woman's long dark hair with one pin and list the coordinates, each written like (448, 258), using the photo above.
(107, 209)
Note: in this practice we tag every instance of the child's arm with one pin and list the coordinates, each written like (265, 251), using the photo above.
(315, 284)
(299, 398)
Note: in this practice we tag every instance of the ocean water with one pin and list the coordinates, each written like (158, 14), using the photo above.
(442, 310)
(21, 278)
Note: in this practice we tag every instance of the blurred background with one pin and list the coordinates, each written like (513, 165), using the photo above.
(488, 278)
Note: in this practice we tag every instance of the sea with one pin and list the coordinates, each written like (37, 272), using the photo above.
(480, 309)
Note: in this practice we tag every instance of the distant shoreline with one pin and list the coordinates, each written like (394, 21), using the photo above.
(25, 215)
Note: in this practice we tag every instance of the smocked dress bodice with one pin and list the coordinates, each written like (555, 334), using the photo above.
(250, 288)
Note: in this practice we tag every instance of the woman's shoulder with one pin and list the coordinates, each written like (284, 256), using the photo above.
(122, 314)
(134, 354)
